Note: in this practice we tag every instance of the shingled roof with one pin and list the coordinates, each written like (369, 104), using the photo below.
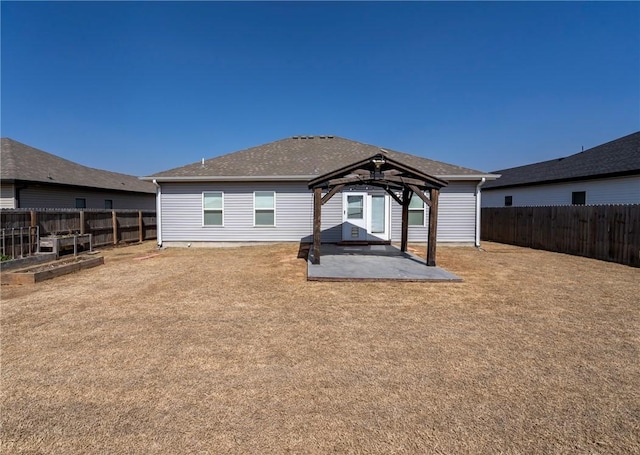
(304, 157)
(616, 158)
(19, 162)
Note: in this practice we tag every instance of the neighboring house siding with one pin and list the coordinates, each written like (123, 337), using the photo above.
(52, 197)
(456, 216)
(622, 190)
(182, 214)
(7, 196)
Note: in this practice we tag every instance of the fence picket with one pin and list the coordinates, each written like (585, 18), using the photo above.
(99, 223)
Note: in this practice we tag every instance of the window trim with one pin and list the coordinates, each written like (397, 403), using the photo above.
(274, 209)
(204, 210)
(416, 209)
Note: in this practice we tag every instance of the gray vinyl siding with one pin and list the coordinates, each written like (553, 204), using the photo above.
(7, 196)
(332, 219)
(456, 216)
(54, 197)
(622, 190)
(182, 214)
(457, 213)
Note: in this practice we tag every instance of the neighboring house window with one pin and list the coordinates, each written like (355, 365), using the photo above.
(416, 211)
(508, 201)
(213, 208)
(108, 204)
(264, 203)
(579, 197)
(81, 203)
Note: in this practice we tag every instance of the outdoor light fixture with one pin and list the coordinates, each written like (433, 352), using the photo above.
(378, 162)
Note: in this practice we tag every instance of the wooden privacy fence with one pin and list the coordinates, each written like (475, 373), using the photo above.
(606, 232)
(108, 227)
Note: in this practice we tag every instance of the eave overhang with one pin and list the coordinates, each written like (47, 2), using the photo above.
(565, 180)
(289, 178)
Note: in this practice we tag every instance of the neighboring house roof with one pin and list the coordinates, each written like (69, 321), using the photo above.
(19, 162)
(302, 158)
(616, 158)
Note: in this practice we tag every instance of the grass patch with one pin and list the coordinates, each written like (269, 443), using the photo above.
(231, 350)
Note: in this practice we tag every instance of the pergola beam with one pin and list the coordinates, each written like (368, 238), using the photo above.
(420, 194)
(331, 193)
(355, 179)
(317, 223)
(406, 199)
(393, 195)
(433, 227)
(408, 181)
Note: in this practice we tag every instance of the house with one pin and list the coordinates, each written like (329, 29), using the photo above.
(31, 178)
(606, 174)
(263, 194)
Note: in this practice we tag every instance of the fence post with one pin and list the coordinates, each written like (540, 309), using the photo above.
(82, 227)
(140, 227)
(114, 222)
(33, 238)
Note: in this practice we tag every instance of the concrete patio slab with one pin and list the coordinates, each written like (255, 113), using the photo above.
(373, 263)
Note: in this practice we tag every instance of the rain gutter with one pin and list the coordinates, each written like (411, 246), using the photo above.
(158, 212)
(478, 200)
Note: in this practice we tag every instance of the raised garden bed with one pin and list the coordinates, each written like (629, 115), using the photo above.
(50, 270)
(20, 263)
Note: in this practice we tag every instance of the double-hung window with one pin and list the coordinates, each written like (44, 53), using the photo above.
(264, 208)
(416, 211)
(213, 208)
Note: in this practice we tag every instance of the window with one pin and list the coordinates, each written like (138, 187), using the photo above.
(579, 197)
(378, 215)
(416, 211)
(213, 208)
(508, 201)
(355, 207)
(264, 204)
(108, 204)
(81, 203)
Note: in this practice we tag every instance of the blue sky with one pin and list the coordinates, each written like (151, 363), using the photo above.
(142, 87)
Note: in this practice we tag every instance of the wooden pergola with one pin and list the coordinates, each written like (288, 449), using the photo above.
(392, 176)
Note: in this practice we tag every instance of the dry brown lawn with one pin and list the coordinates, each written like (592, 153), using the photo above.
(232, 351)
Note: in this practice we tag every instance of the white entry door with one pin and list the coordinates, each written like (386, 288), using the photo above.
(354, 216)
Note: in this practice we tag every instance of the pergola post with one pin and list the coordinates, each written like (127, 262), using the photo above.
(317, 214)
(406, 195)
(433, 227)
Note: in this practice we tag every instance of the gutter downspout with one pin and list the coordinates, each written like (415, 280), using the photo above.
(158, 213)
(478, 198)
